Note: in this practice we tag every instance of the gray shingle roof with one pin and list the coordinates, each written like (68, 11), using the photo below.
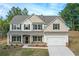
(20, 18)
(47, 19)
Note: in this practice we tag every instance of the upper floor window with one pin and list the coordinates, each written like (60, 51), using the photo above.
(56, 26)
(16, 26)
(37, 26)
(34, 26)
(26, 26)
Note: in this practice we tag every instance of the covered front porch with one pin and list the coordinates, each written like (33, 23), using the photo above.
(24, 37)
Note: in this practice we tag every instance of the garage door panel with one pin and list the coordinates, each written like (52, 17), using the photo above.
(56, 41)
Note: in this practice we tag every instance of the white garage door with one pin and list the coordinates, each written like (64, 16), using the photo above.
(56, 41)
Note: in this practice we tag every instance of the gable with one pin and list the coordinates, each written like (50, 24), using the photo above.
(27, 21)
(63, 27)
(36, 19)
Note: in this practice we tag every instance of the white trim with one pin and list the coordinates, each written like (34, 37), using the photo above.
(8, 39)
(59, 19)
(37, 27)
(16, 27)
(21, 39)
(37, 38)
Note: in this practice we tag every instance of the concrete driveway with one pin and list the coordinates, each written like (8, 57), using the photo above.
(59, 51)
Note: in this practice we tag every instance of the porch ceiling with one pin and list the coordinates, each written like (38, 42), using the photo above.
(26, 32)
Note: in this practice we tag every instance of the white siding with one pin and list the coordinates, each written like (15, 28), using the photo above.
(64, 35)
(14, 29)
(10, 27)
(63, 27)
(44, 38)
(27, 22)
(8, 39)
(36, 19)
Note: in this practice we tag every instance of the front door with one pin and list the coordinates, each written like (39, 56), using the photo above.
(26, 40)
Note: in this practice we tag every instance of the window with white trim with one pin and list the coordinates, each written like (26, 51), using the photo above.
(37, 26)
(16, 38)
(26, 26)
(56, 26)
(16, 26)
(37, 38)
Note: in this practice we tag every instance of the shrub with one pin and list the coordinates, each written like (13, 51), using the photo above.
(5, 47)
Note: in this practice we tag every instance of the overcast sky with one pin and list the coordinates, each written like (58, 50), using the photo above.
(34, 8)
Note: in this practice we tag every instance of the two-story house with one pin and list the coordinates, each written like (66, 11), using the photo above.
(37, 28)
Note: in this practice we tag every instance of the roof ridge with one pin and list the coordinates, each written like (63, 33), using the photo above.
(20, 18)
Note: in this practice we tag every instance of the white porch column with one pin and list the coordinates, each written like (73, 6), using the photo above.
(43, 26)
(30, 39)
(22, 27)
(10, 27)
(8, 39)
(21, 39)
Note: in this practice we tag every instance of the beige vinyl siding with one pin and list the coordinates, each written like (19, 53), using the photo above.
(63, 27)
(27, 22)
(36, 19)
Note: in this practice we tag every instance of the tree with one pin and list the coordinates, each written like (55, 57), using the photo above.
(1, 27)
(24, 12)
(4, 24)
(16, 11)
(71, 15)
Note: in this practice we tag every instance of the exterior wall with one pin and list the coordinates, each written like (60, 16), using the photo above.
(30, 39)
(29, 21)
(44, 38)
(9, 39)
(49, 29)
(36, 19)
(26, 22)
(63, 27)
(14, 30)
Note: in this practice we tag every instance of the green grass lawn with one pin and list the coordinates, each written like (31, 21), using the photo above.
(74, 45)
(23, 52)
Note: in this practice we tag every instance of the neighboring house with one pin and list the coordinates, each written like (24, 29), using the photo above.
(37, 28)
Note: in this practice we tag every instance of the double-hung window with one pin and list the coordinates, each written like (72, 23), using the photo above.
(37, 26)
(34, 27)
(37, 38)
(16, 26)
(16, 38)
(13, 27)
(26, 26)
(56, 26)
